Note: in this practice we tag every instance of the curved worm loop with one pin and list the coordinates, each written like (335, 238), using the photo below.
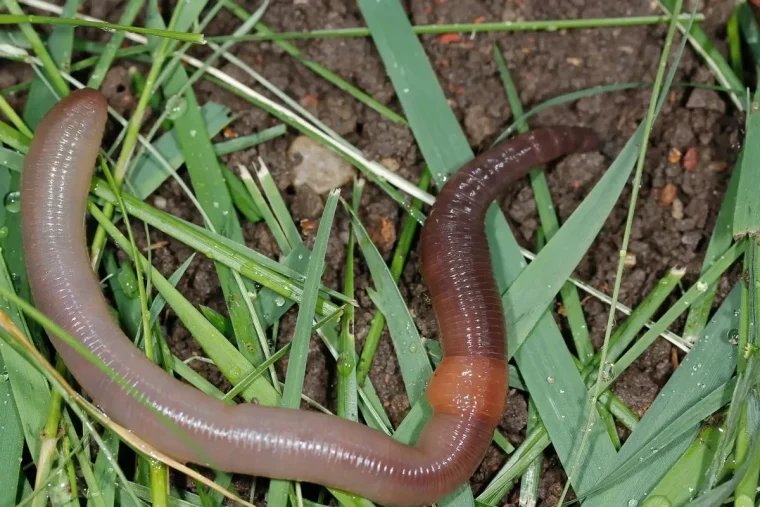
(467, 391)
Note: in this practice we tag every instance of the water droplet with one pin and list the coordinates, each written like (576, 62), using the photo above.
(13, 202)
(279, 301)
(345, 364)
(176, 106)
(608, 372)
(3, 232)
(413, 348)
(733, 336)
(550, 380)
(633, 502)
(108, 29)
(128, 283)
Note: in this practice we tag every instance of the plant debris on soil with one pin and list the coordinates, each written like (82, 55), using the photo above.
(692, 152)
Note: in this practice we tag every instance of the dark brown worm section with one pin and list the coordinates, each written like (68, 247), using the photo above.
(467, 392)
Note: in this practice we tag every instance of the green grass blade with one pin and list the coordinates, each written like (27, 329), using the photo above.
(445, 148)
(228, 359)
(747, 211)
(214, 197)
(266, 212)
(277, 203)
(249, 141)
(48, 61)
(105, 473)
(13, 439)
(713, 58)
(291, 397)
(734, 42)
(549, 222)
(346, 364)
(720, 241)
(146, 173)
(705, 369)
(67, 22)
(107, 57)
(750, 29)
(30, 391)
(680, 483)
(412, 357)
(718, 495)
(321, 71)
(240, 196)
(400, 254)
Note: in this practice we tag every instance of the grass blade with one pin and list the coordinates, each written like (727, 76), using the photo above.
(117, 38)
(291, 396)
(146, 173)
(413, 361)
(707, 50)
(747, 211)
(707, 367)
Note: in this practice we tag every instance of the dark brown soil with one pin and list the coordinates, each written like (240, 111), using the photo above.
(677, 205)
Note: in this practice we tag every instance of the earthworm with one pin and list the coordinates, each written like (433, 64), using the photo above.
(467, 391)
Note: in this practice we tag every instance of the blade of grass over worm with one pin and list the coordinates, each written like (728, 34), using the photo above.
(229, 360)
(709, 365)
(412, 357)
(445, 148)
(213, 195)
(291, 396)
(397, 266)
(549, 221)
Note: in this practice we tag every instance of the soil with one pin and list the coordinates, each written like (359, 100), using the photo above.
(678, 201)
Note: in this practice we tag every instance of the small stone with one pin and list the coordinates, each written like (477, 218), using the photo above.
(677, 209)
(160, 202)
(574, 61)
(391, 164)
(667, 195)
(318, 167)
(674, 156)
(383, 234)
(629, 261)
(702, 98)
(691, 158)
(718, 166)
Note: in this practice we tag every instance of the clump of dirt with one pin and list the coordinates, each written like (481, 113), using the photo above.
(691, 153)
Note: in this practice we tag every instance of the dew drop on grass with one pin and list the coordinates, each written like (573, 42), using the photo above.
(3, 232)
(550, 380)
(733, 336)
(413, 348)
(13, 202)
(128, 283)
(279, 301)
(345, 364)
(702, 286)
(176, 106)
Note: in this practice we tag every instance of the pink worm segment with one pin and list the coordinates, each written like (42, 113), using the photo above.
(467, 392)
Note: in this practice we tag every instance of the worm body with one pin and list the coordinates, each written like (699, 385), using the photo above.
(467, 392)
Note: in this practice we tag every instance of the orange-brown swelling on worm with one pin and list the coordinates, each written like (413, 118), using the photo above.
(467, 392)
